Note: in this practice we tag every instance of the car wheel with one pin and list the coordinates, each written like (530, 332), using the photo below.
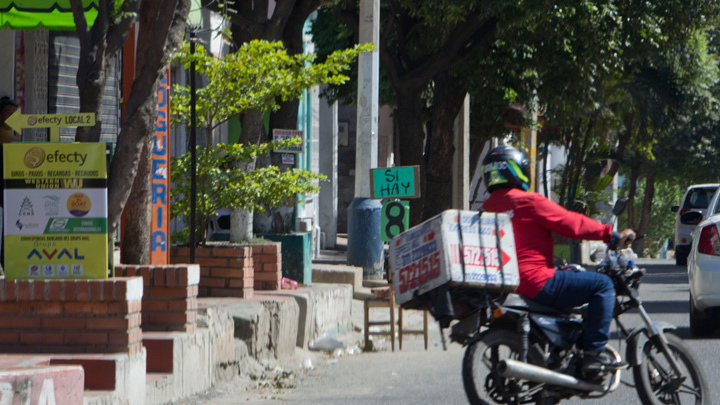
(699, 326)
(681, 258)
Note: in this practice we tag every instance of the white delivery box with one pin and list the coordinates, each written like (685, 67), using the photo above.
(455, 247)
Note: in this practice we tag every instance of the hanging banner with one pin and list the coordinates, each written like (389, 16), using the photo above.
(55, 211)
(160, 226)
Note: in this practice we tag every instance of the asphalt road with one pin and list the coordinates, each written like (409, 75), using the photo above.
(416, 376)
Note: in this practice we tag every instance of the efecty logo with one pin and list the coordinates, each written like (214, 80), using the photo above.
(36, 156)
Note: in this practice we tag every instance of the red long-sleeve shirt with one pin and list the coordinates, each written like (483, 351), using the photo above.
(534, 218)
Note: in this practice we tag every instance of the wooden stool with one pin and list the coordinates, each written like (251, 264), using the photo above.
(380, 302)
(402, 331)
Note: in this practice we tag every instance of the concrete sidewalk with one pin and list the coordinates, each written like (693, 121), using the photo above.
(278, 328)
(238, 342)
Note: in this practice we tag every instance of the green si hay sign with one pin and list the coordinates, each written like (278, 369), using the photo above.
(55, 211)
(395, 182)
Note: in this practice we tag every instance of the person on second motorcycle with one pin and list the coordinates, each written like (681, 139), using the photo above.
(534, 217)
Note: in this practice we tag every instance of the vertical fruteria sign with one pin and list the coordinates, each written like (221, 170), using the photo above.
(55, 211)
(159, 229)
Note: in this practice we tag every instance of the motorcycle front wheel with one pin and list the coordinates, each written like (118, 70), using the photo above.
(481, 381)
(657, 383)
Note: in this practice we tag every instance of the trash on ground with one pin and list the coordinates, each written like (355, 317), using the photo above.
(287, 284)
(326, 342)
(353, 350)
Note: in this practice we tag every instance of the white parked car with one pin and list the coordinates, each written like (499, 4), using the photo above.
(697, 198)
(704, 274)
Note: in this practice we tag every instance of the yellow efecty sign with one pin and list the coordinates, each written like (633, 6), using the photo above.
(19, 121)
(55, 210)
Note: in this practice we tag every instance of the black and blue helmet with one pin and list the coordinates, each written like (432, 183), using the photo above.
(506, 167)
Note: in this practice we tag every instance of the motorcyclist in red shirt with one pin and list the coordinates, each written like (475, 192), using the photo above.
(506, 172)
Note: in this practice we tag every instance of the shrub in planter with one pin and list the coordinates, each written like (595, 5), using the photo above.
(222, 183)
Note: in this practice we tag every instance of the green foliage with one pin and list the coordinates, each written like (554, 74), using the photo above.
(257, 76)
(662, 220)
(223, 183)
(329, 35)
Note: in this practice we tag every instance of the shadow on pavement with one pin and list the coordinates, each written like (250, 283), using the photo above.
(664, 274)
(666, 307)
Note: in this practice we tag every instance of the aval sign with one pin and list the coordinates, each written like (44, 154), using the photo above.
(55, 211)
(18, 121)
(395, 182)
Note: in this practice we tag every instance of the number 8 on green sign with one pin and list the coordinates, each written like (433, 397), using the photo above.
(394, 219)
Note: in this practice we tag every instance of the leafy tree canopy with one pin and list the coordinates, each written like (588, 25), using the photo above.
(257, 76)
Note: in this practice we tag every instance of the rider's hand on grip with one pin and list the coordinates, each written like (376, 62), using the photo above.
(626, 238)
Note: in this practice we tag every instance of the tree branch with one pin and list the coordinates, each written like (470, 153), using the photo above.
(118, 34)
(461, 44)
(80, 22)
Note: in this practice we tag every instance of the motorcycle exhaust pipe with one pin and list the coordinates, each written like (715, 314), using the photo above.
(524, 371)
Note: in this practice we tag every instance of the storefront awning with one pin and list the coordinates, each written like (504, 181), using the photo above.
(49, 14)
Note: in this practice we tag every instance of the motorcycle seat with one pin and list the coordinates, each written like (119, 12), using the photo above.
(517, 301)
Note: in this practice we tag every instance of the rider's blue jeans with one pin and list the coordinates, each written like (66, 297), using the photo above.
(567, 289)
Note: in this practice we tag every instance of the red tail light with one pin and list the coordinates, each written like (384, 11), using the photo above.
(709, 242)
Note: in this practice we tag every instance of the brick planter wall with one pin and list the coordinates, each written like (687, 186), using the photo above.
(225, 271)
(169, 300)
(71, 316)
(267, 261)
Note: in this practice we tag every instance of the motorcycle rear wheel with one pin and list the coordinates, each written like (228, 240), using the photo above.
(653, 377)
(480, 360)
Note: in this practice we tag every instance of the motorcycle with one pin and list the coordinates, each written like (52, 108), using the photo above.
(522, 352)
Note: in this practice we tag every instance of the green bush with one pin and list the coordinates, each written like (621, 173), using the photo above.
(223, 183)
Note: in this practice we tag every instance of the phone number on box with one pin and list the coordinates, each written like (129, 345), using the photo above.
(418, 273)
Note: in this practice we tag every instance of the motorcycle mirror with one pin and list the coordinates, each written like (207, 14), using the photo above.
(597, 255)
(619, 206)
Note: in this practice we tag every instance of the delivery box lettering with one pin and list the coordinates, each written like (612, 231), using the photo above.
(462, 247)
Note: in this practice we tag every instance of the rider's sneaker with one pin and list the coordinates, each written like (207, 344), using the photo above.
(595, 363)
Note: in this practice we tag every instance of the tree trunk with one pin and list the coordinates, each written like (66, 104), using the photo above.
(566, 181)
(91, 79)
(99, 48)
(411, 138)
(634, 175)
(448, 97)
(623, 139)
(642, 228)
(161, 30)
(135, 247)
(241, 223)
(253, 133)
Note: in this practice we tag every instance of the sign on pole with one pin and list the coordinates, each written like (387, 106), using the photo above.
(395, 182)
(18, 121)
(160, 225)
(394, 220)
(55, 211)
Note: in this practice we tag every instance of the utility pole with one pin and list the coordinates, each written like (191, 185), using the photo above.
(364, 246)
